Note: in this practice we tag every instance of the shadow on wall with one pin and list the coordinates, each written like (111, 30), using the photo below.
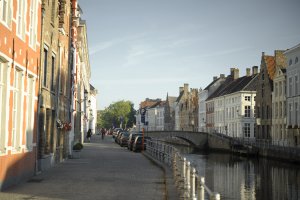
(15, 168)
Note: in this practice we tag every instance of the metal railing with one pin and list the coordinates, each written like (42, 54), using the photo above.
(190, 184)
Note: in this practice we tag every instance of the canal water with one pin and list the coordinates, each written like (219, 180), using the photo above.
(241, 178)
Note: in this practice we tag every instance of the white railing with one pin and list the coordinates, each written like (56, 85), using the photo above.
(190, 184)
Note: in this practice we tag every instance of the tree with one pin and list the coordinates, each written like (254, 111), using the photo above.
(117, 114)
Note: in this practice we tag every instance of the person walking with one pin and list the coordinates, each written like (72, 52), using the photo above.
(102, 133)
(89, 135)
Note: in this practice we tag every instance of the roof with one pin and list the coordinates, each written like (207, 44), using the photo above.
(213, 82)
(149, 103)
(245, 83)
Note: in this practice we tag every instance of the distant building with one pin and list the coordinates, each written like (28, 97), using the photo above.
(155, 117)
(263, 105)
(203, 95)
(186, 110)
(293, 95)
(142, 113)
(169, 114)
(279, 108)
(92, 113)
(230, 109)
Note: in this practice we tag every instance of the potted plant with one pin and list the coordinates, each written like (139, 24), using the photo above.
(76, 150)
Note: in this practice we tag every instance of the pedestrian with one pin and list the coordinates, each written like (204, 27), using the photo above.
(103, 133)
(89, 135)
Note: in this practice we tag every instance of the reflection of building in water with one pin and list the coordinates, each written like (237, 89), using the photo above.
(285, 183)
(232, 179)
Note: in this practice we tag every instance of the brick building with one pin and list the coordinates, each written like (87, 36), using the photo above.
(20, 30)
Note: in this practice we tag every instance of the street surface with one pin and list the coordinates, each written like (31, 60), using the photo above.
(104, 171)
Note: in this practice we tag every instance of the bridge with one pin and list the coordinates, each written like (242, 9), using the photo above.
(217, 141)
(201, 140)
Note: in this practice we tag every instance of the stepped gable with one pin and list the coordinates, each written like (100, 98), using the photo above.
(270, 62)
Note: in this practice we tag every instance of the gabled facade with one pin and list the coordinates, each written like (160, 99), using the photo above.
(203, 95)
(263, 105)
(293, 96)
(20, 30)
(186, 110)
(279, 108)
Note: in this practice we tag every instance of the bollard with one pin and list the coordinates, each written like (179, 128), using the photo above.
(193, 189)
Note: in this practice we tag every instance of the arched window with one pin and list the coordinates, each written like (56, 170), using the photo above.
(290, 62)
(296, 60)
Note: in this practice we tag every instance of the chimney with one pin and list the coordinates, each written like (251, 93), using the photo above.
(215, 78)
(186, 87)
(254, 70)
(222, 75)
(232, 72)
(248, 72)
(236, 73)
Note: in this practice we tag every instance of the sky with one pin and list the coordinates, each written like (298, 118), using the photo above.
(149, 48)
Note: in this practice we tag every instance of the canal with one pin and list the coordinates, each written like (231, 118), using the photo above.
(236, 177)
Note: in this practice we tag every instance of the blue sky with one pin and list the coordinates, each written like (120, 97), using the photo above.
(148, 48)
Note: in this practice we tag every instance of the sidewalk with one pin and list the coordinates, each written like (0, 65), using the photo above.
(104, 171)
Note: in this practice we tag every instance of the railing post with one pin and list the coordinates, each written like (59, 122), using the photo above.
(193, 190)
(215, 196)
(201, 189)
(188, 179)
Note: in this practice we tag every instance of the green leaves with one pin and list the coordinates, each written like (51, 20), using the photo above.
(117, 114)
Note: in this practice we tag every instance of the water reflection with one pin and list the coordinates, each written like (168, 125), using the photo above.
(243, 178)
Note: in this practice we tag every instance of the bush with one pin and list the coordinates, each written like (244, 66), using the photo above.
(77, 146)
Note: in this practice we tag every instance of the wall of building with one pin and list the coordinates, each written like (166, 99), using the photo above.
(19, 67)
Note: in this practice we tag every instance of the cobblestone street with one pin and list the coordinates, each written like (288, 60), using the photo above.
(103, 171)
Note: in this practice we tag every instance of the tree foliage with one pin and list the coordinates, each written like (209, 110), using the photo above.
(117, 114)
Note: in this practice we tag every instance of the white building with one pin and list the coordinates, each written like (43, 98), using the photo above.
(293, 95)
(155, 117)
(234, 106)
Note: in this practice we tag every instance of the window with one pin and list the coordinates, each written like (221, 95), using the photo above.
(33, 23)
(247, 129)
(290, 62)
(290, 114)
(3, 106)
(53, 11)
(280, 89)
(247, 111)
(296, 60)
(45, 67)
(30, 112)
(247, 98)
(52, 72)
(276, 89)
(6, 12)
(16, 114)
(21, 19)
